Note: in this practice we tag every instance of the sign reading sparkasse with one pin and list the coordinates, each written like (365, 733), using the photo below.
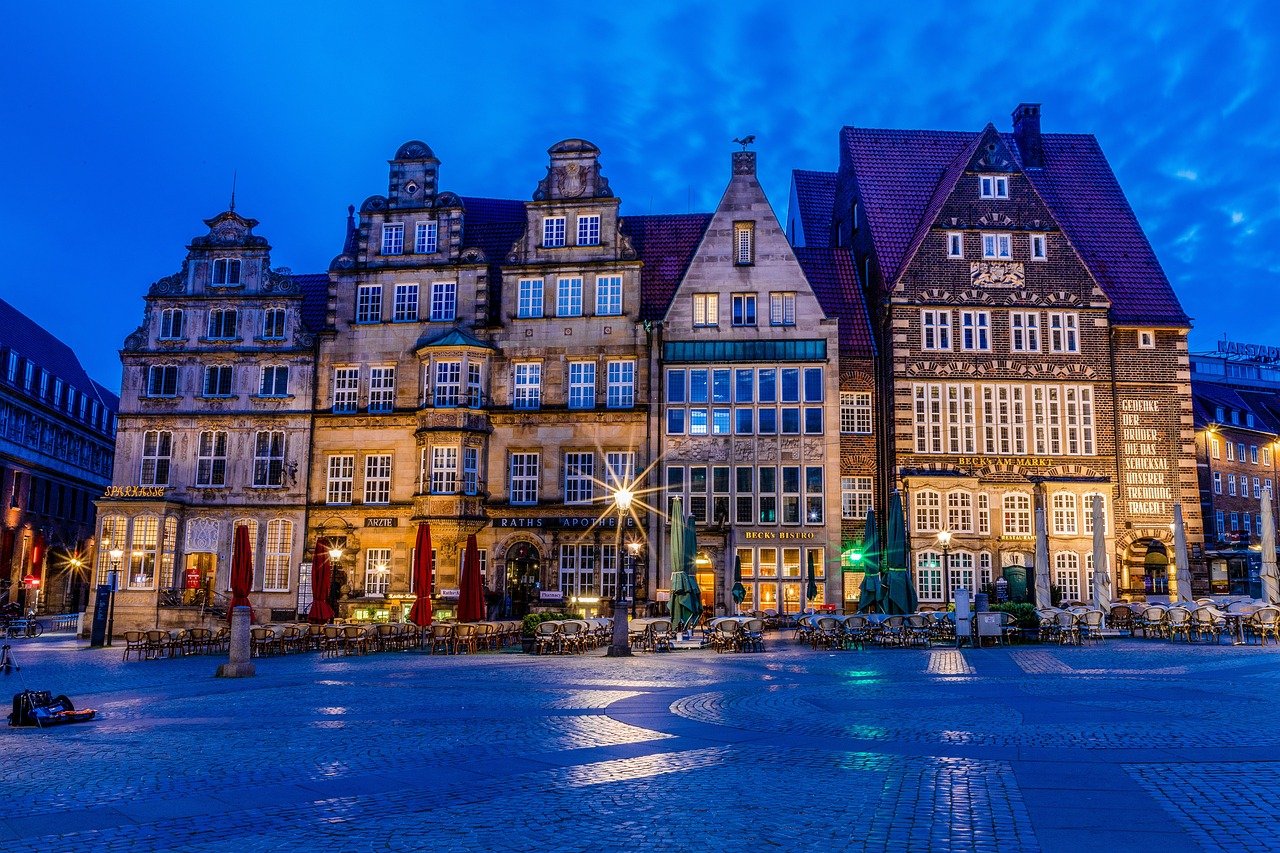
(134, 492)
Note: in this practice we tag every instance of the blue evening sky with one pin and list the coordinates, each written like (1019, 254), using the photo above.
(123, 121)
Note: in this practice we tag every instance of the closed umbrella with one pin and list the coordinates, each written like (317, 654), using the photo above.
(1183, 569)
(1270, 576)
(811, 588)
(470, 594)
(1101, 579)
(420, 614)
(321, 578)
(739, 592)
(241, 572)
(730, 558)
(1044, 596)
(690, 561)
(899, 586)
(870, 595)
(675, 560)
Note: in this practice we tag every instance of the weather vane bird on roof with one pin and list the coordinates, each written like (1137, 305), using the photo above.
(746, 140)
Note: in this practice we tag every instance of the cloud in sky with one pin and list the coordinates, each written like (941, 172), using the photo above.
(126, 121)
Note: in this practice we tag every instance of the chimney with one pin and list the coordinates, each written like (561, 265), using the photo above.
(744, 162)
(1026, 132)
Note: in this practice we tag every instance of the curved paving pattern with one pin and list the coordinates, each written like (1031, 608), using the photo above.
(1130, 745)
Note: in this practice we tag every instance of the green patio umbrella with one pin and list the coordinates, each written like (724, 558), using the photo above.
(811, 588)
(675, 557)
(690, 556)
(739, 592)
(870, 595)
(900, 593)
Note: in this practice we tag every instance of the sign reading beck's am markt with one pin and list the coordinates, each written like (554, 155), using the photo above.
(1145, 470)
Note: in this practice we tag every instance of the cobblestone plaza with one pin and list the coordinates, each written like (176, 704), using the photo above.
(1129, 745)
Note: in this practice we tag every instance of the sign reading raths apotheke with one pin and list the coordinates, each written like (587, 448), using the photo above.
(563, 522)
(134, 492)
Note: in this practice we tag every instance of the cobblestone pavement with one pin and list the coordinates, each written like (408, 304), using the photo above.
(1133, 745)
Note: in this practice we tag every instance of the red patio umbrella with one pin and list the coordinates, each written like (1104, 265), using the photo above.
(420, 615)
(241, 572)
(471, 593)
(321, 578)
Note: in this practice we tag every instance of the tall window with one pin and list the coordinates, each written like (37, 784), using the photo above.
(382, 389)
(959, 512)
(142, 552)
(1039, 247)
(1017, 514)
(444, 301)
(217, 381)
(170, 326)
(222, 324)
(609, 295)
(268, 458)
(996, 247)
(162, 380)
(578, 570)
(448, 384)
(855, 497)
(470, 470)
(211, 458)
(377, 478)
(619, 469)
(530, 300)
(984, 514)
(1066, 566)
(935, 330)
(993, 186)
(346, 389)
(523, 478)
(582, 384)
(929, 575)
(1024, 332)
(955, 244)
(553, 232)
(274, 381)
(706, 309)
(369, 303)
(338, 489)
(528, 386)
(744, 249)
(744, 309)
(157, 450)
(275, 575)
(782, 309)
(405, 309)
(444, 470)
(975, 330)
(855, 412)
(928, 511)
(588, 230)
(621, 384)
(1063, 333)
(377, 571)
(424, 238)
(579, 477)
(1064, 514)
(226, 272)
(393, 238)
(569, 297)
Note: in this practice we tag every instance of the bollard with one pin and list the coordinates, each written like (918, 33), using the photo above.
(238, 664)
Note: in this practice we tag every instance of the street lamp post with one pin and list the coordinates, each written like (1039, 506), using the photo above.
(944, 540)
(113, 579)
(619, 647)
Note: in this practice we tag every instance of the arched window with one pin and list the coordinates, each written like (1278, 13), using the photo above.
(275, 573)
(252, 525)
(928, 510)
(1066, 575)
(1017, 514)
(112, 537)
(1064, 514)
(142, 552)
(959, 512)
(929, 575)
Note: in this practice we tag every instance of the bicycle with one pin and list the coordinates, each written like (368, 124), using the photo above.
(29, 627)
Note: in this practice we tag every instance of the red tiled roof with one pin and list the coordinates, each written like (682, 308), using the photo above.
(315, 299)
(833, 276)
(815, 197)
(666, 244)
(900, 173)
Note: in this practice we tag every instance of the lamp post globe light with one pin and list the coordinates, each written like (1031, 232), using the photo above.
(619, 647)
(944, 541)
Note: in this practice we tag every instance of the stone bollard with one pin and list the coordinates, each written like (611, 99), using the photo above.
(238, 665)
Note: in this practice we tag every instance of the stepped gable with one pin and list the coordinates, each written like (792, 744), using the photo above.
(666, 244)
(833, 276)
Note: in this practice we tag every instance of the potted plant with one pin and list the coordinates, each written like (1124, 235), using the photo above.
(529, 626)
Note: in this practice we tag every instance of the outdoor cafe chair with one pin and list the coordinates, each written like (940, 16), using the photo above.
(465, 637)
(855, 631)
(1066, 628)
(893, 631)
(199, 641)
(441, 638)
(727, 636)
(1264, 623)
(157, 644)
(916, 629)
(638, 634)
(1178, 623)
(1121, 618)
(1206, 620)
(753, 634)
(661, 638)
(263, 641)
(1009, 629)
(135, 643)
(575, 632)
(1089, 625)
(1153, 620)
(546, 637)
(1048, 617)
(826, 632)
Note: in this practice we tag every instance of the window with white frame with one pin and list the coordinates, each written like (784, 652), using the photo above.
(608, 295)
(217, 381)
(1039, 247)
(1066, 575)
(1064, 514)
(855, 497)
(274, 381)
(369, 303)
(706, 309)
(1017, 514)
(1064, 334)
(955, 244)
(529, 303)
(444, 301)
(377, 571)
(553, 232)
(589, 230)
(1024, 331)
(211, 458)
(579, 477)
(1231, 485)
(393, 238)
(928, 511)
(996, 247)
(929, 575)
(1231, 452)
(346, 389)
(1146, 339)
(782, 308)
(984, 568)
(578, 570)
(222, 324)
(975, 331)
(993, 186)
(935, 330)
(470, 470)
(226, 272)
(620, 384)
(528, 385)
(382, 388)
(142, 552)
(983, 515)
(341, 478)
(945, 418)
(619, 469)
(609, 573)
(959, 511)
(523, 478)
(582, 384)
(1253, 448)
(1257, 487)
(960, 570)
(744, 309)
(268, 458)
(405, 308)
(170, 330)
(377, 478)
(744, 238)
(273, 320)
(1266, 456)
(444, 470)
(569, 297)
(157, 451)
(1217, 482)
(475, 385)
(425, 238)
(448, 384)
(275, 570)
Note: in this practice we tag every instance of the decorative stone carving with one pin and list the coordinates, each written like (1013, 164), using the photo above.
(170, 285)
(744, 451)
(790, 448)
(997, 274)
(812, 449)
(203, 535)
(768, 452)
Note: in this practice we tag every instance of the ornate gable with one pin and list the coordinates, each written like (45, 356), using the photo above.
(992, 154)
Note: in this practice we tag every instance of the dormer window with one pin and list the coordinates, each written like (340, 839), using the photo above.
(993, 186)
(955, 244)
(996, 247)
(553, 232)
(744, 243)
(1039, 247)
(226, 272)
(588, 230)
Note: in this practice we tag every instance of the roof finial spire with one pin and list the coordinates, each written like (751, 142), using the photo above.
(233, 190)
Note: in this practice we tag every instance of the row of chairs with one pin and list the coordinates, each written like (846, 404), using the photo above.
(736, 635)
(1203, 622)
(857, 630)
(167, 643)
(651, 635)
(1070, 627)
(571, 636)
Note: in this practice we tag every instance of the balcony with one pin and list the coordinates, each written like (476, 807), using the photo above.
(458, 507)
(431, 419)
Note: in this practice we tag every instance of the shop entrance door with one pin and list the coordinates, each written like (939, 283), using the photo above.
(197, 578)
(523, 577)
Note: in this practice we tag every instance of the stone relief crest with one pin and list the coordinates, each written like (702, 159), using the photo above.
(570, 182)
(203, 534)
(996, 274)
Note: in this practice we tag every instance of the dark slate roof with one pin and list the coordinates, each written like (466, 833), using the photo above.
(832, 273)
(453, 337)
(32, 341)
(1207, 396)
(666, 244)
(900, 173)
(815, 198)
(315, 299)
(492, 225)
